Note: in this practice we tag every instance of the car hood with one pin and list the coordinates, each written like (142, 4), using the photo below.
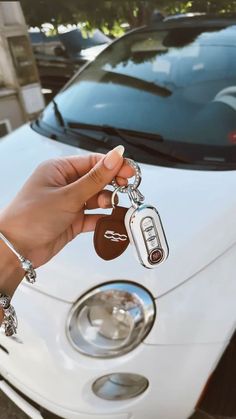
(197, 210)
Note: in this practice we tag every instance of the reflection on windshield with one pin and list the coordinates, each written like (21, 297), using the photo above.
(179, 83)
(129, 81)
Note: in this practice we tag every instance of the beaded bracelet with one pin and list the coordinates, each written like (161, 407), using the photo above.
(10, 322)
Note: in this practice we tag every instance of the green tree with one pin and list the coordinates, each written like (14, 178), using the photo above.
(213, 6)
(107, 14)
(55, 12)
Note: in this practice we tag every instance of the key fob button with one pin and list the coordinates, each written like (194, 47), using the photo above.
(146, 223)
(156, 256)
(152, 244)
(150, 233)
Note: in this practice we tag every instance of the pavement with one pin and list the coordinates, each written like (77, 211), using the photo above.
(8, 410)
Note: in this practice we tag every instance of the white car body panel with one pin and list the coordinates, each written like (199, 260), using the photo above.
(60, 378)
(194, 290)
(197, 209)
(202, 310)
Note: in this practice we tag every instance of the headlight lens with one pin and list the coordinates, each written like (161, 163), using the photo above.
(111, 320)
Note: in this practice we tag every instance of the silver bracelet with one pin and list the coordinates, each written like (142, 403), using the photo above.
(30, 273)
(10, 322)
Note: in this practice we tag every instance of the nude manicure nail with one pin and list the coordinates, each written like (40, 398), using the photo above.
(113, 157)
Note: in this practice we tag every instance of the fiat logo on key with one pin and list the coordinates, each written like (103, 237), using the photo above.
(156, 256)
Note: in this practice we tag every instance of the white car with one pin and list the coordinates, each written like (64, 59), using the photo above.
(112, 339)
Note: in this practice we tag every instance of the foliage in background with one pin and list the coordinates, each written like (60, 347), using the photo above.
(111, 15)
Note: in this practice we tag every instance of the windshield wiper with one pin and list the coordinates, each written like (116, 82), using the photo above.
(110, 130)
(107, 129)
(66, 127)
(123, 133)
(127, 136)
(58, 114)
(130, 137)
(143, 145)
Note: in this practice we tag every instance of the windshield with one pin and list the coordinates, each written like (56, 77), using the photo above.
(178, 84)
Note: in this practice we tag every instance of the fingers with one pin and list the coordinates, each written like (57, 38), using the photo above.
(90, 222)
(101, 200)
(69, 169)
(74, 167)
(121, 181)
(99, 175)
(126, 170)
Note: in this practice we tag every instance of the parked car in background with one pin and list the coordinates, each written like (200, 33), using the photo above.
(59, 57)
(114, 340)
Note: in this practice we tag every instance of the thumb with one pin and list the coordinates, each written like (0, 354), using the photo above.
(99, 175)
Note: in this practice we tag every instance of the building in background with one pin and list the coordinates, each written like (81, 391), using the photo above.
(20, 91)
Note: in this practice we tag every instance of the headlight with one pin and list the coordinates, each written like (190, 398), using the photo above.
(111, 320)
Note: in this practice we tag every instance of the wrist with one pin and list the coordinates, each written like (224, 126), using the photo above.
(11, 272)
(10, 228)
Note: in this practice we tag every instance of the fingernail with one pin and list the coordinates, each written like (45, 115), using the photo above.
(113, 157)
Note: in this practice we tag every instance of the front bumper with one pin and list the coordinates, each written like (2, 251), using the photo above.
(36, 411)
(40, 362)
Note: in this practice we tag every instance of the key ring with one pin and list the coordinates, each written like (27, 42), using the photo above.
(114, 195)
(137, 180)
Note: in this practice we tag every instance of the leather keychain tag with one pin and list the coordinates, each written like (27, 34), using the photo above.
(110, 235)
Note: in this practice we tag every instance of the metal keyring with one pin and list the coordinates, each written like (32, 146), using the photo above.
(137, 180)
(114, 195)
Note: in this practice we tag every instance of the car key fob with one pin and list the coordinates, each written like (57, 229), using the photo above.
(146, 233)
(143, 224)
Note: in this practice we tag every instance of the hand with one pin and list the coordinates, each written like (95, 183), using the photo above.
(49, 211)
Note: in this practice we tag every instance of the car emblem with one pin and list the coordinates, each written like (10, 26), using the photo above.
(115, 237)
